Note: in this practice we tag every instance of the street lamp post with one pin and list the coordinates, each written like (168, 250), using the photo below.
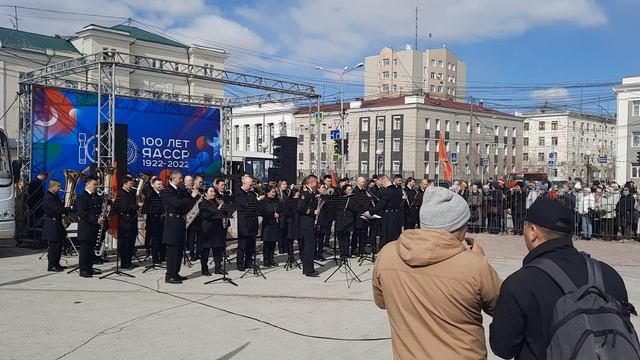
(344, 71)
(588, 159)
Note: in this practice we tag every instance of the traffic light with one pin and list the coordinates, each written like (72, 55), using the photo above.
(346, 147)
(337, 147)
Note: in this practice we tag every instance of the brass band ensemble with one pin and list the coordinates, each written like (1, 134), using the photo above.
(183, 218)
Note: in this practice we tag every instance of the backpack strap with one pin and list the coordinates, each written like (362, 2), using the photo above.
(555, 272)
(594, 272)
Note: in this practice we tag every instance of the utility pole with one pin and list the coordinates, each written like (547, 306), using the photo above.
(16, 20)
(471, 147)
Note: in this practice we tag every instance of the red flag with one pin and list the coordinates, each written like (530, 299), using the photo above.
(113, 220)
(443, 158)
(334, 179)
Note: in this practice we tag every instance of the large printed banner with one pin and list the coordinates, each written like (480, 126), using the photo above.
(161, 135)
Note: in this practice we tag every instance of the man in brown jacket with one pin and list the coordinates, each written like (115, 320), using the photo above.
(433, 288)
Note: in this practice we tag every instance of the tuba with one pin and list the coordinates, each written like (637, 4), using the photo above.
(71, 182)
(105, 175)
(142, 179)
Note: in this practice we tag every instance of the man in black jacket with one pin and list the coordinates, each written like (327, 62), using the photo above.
(155, 222)
(246, 201)
(390, 208)
(52, 229)
(89, 208)
(126, 208)
(308, 211)
(522, 323)
(176, 202)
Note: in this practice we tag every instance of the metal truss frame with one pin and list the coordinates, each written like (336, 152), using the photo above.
(107, 64)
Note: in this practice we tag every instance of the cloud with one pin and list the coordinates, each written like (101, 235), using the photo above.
(556, 94)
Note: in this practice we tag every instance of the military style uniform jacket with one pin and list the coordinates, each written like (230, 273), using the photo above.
(126, 208)
(247, 206)
(89, 209)
(54, 210)
(176, 204)
(212, 228)
(270, 226)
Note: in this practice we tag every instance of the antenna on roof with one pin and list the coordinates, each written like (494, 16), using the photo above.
(15, 20)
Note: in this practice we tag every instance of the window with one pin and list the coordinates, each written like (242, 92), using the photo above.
(364, 167)
(526, 126)
(300, 156)
(635, 142)
(259, 135)
(574, 125)
(458, 147)
(506, 131)
(554, 140)
(385, 62)
(496, 130)
(513, 131)
(635, 171)
(385, 87)
(396, 144)
(439, 89)
(426, 169)
(441, 63)
(397, 122)
(380, 123)
(525, 141)
(433, 62)
(446, 145)
(364, 124)
(427, 145)
(466, 148)
(323, 137)
(540, 156)
(525, 156)
(541, 141)
(364, 145)
(457, 126)
(437, 124)
(635, 108)
(477, 128)
(395, 61)
(395, 75)
(573, 141)
(513, 150)
(541, 125)
(395, 167)
(236, 130)
(468, 127)
(385, 74)
(433, 75)
(427, 124)
(554, 125)
(446, 125)
(380, 144)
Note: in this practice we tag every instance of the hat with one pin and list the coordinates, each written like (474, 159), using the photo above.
(552, 215)
(443, 209)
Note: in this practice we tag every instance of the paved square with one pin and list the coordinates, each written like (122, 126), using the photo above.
(59, 316)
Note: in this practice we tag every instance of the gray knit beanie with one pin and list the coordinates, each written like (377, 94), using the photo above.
(443, 209)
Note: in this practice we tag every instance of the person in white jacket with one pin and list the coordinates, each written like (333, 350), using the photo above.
(584, 202)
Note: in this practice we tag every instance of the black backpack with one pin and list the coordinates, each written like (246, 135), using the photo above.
(587, 322)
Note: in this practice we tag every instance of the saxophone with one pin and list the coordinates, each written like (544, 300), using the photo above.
(105, 174)
(71, 182)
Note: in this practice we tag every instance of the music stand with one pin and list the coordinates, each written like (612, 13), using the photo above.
(252, 210)
(344, 263)
(224, 277)
(117, 270)
(336, 204)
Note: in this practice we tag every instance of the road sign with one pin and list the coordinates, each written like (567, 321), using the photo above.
(551, 163)
(335, 134)
(319, 116)
(603, 159)
(553, 156)
(454, 157)
(485, 162)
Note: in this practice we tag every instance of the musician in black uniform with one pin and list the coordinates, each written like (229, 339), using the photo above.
(193, 231)
(365, 201)
(89, 209)
(293, 221)
(125, 207)
(345, 220)
(283, 196)
(52, 229)
(326, 219)
(417, 201)
(270, 210)
(308, 211)
(411, 216)
(213, 235)
(246, 201)
(176, 202)
(222, 193)
(389, 207)
(375, 190)
(155, 222)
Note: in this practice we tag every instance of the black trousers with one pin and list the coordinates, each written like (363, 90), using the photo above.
(85, 256)
(268, 251)
(217, 258)
(174, 259)
(343, 242)
(282, 240)
(362, 236)
(126, 246)
(154, 229)
(54, 253)
(309, 244)
(246, 251)
(375, 228)
(320, 239)
(355, 250)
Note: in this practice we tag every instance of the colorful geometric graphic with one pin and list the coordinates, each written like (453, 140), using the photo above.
(161, 135)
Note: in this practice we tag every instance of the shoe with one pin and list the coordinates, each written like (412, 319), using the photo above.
(321, 258)
(173, 280)
(85, 275)
(220, 272)
(55, 269)
(63, 267)
(240, 268)
(182, 277)
(206, 273)
(133, 266)
(96, 271)
(313, 274)
(266, 265)
(273, 263)
(127, 267)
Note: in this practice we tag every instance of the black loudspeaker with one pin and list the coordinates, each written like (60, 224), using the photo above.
(285, 166)
(120, 148)
(237, 168)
